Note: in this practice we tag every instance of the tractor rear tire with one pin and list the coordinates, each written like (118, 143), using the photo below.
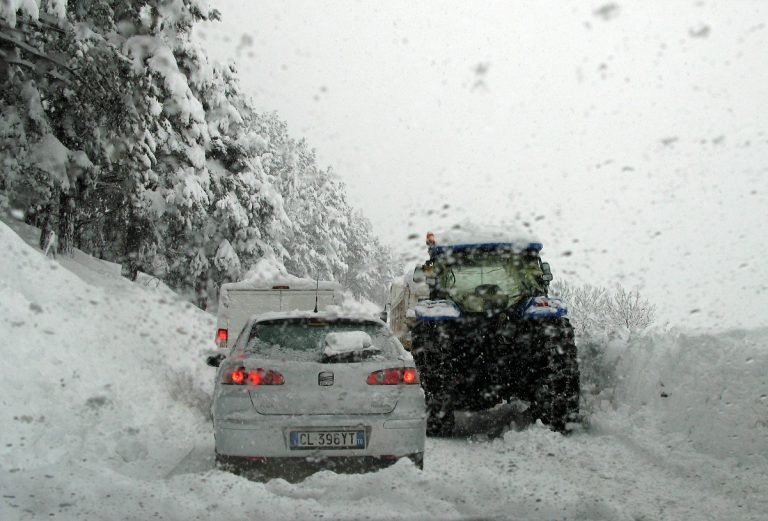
(556, 396)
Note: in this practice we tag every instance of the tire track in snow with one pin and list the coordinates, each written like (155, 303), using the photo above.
(543, 475)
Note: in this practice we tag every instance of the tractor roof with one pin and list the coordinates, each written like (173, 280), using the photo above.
(469, 236)
(439, 249)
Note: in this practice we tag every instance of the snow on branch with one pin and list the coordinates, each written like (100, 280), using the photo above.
(9, 9)
(596, 310)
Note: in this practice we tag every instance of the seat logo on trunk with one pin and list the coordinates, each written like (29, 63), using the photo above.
(325, 378)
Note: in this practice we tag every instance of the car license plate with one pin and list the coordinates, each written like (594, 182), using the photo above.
(327, 440)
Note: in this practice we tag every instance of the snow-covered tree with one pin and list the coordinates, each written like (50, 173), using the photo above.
(118, 132)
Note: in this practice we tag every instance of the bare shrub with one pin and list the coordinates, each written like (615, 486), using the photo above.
(603, 320)
(629, 309)
(595, 310)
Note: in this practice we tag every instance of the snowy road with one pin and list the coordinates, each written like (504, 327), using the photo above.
(105, 400)
(597, 475)
(528, 473)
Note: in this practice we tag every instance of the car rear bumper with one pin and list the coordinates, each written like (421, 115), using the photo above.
(299, 468)
(268, 436)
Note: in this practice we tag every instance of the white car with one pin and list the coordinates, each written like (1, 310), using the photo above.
(333, 391)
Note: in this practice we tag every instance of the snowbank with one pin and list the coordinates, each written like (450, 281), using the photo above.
(706, 391)
(96, 370)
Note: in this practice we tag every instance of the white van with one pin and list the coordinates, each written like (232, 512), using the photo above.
(239, 301)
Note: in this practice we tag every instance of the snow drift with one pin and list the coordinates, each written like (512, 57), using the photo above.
(97, 369)
(706, 390)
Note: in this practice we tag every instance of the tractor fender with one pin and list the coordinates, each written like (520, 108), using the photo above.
(436, 310)
(544, 307)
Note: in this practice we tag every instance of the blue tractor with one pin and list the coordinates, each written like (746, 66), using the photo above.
(489, 332)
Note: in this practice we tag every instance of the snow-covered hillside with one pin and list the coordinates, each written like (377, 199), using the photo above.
(96, 370)
(104, 415)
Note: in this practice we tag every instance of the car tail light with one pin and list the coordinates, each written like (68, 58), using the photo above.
(265, 377)
(236, 377)
(241, 376)
(221, 338)
(394, 376)
(410, 376)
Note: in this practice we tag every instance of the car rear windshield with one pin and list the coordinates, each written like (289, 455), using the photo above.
(317, 340)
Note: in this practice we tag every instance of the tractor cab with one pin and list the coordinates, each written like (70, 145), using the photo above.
(484, 277)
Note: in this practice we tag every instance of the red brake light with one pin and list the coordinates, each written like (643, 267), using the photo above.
(410, 376)
(394, 376)
(221, 337)
(237, 376)
(255, 377)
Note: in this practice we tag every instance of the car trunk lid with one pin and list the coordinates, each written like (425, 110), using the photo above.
(313, 388)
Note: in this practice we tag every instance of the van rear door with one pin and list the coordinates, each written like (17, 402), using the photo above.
(241, 304)
(305, 300)
(237, 306)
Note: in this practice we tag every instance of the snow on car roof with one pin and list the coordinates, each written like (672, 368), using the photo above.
(287, 283)
(270, 274)
(329, 315)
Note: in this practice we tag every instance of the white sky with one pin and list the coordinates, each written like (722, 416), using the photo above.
(542, 113)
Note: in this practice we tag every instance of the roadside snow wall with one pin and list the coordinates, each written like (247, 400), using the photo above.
(707, 390)
(96, 370)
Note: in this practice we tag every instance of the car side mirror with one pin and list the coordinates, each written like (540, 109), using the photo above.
(215, 360)
(418, 275)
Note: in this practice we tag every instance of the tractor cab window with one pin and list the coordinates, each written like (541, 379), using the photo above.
(477, 279)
